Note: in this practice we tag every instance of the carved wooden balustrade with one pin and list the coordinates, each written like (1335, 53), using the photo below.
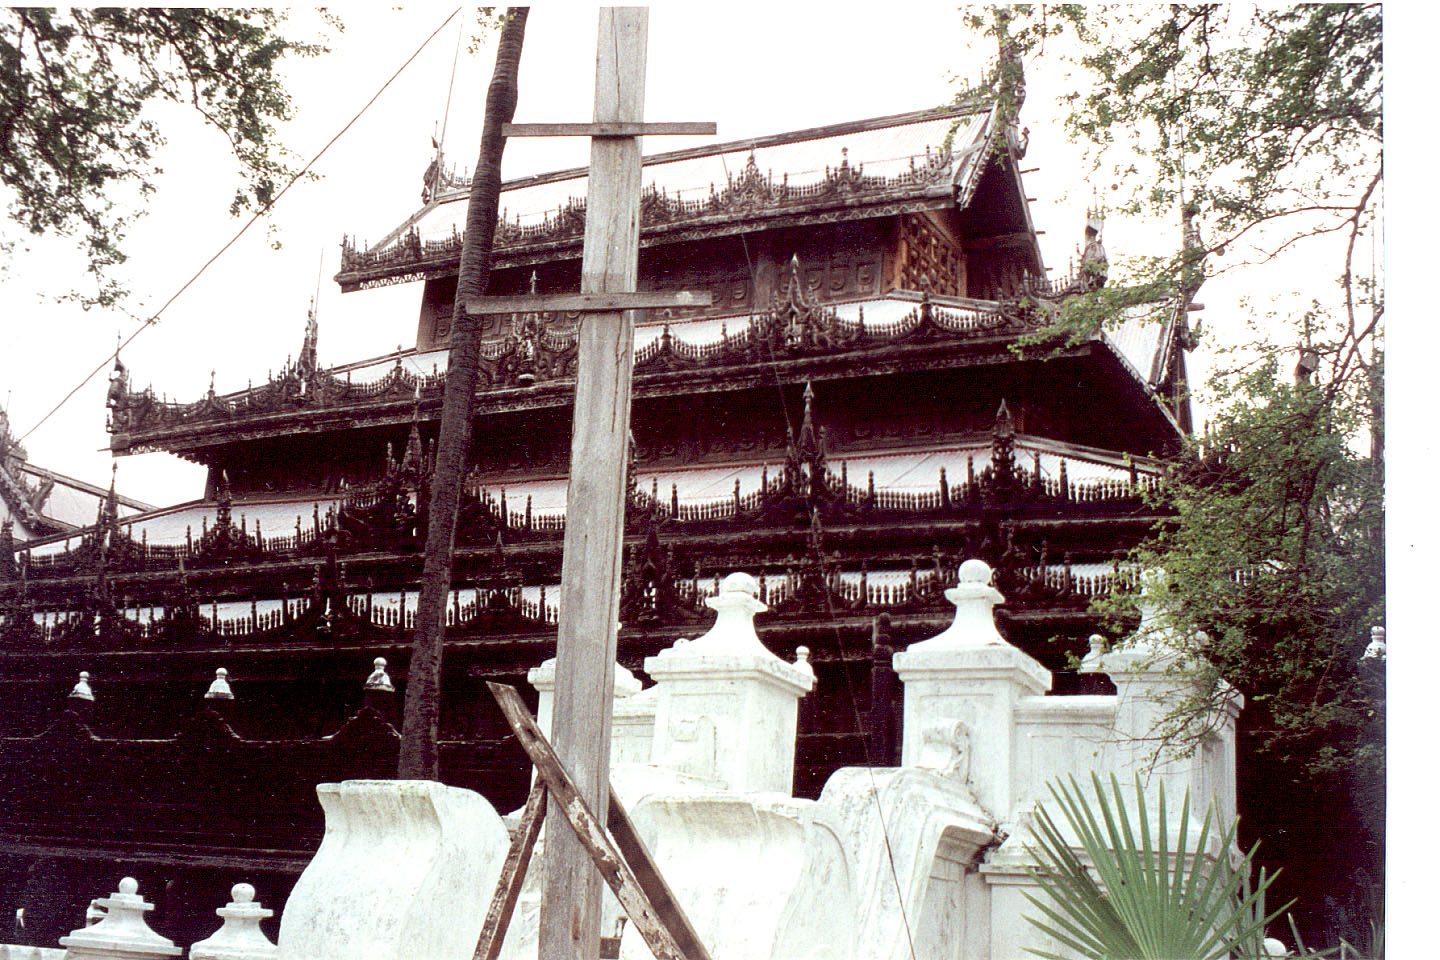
(792, 327)
(749, 194)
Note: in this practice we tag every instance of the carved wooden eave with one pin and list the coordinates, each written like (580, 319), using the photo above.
(280, 409)
(751, 201)
(1161, 375)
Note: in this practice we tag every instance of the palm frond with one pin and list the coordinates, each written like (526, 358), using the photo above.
(1137, 896)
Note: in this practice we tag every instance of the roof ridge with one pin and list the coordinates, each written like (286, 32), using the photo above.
(767, 140)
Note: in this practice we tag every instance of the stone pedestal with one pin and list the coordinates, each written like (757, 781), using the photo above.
(542, 678)
(915, 838)
(240, 937)
(759, 877)
(1151, 679)
(122, 934)
(969, 674)
(404, 873)
(727, 706)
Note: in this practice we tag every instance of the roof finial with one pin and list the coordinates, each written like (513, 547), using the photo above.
(81, 690)
(220, 686)
(379, 679)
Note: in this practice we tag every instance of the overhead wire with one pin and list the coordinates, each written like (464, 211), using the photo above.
(151, 320)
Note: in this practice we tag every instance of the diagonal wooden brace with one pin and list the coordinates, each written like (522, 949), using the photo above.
(512, 876)
(612, 128)
(629, 871)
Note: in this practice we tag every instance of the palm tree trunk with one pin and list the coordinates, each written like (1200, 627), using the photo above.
(419, 753)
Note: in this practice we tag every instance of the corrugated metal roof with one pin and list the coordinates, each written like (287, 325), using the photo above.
(1138, 337)
(878, 312)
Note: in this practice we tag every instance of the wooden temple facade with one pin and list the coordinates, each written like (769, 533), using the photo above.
(849, 421)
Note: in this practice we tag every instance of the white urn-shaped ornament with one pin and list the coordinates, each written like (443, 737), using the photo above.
(240, 937)
(733, 633)
(974, 624)
(123, 932)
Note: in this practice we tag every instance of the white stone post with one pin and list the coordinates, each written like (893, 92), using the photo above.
(122, 934)
(542, 678)
(969, 673)
(727, 706)
(1151, 679)
(240, 936)
(402, 873)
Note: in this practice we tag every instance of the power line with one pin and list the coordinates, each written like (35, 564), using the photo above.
(153, 318)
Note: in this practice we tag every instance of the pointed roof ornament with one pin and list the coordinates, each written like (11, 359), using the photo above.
(1004, 423)
(807, 423)
(222, 499)
(81, 690)
(412, 465)
(220, 686)
(795, 285)
(112, 501)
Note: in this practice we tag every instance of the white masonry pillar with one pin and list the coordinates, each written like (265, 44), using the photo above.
(969, 673)
(1153, 677)
(726, 705)
(542, 678)
(122, 934)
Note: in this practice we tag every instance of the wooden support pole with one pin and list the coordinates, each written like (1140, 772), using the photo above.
(624, 862)
(591, 569)
(512, 876)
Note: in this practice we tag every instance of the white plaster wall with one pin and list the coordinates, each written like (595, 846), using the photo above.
(914, 837)
(759, 876)
(1060, 737)
(403, 873)
(15, 951)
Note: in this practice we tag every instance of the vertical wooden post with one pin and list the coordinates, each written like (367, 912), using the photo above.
(591, 569)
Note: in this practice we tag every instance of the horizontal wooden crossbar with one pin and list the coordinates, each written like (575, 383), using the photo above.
(604, 129)
(587, 302)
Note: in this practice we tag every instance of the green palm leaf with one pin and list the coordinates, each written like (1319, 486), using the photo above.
(1138, 898)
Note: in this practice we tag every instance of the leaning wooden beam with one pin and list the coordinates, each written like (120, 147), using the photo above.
(512, 876)
(662, 927)
(604, 302)
(637, 855)
(605, 129)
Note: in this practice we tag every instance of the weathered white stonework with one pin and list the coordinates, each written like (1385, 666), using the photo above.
(15, 951)
(542, 678)
(758, 876)
(726, 706)
(968, 675)
(703, 762)
(240, 936)
(122, 934)
(934, 830)
(1151, 677)
(403, 873)
(220, 686)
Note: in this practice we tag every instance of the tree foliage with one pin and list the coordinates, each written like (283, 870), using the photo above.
(77, 147)
(1261, 128)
